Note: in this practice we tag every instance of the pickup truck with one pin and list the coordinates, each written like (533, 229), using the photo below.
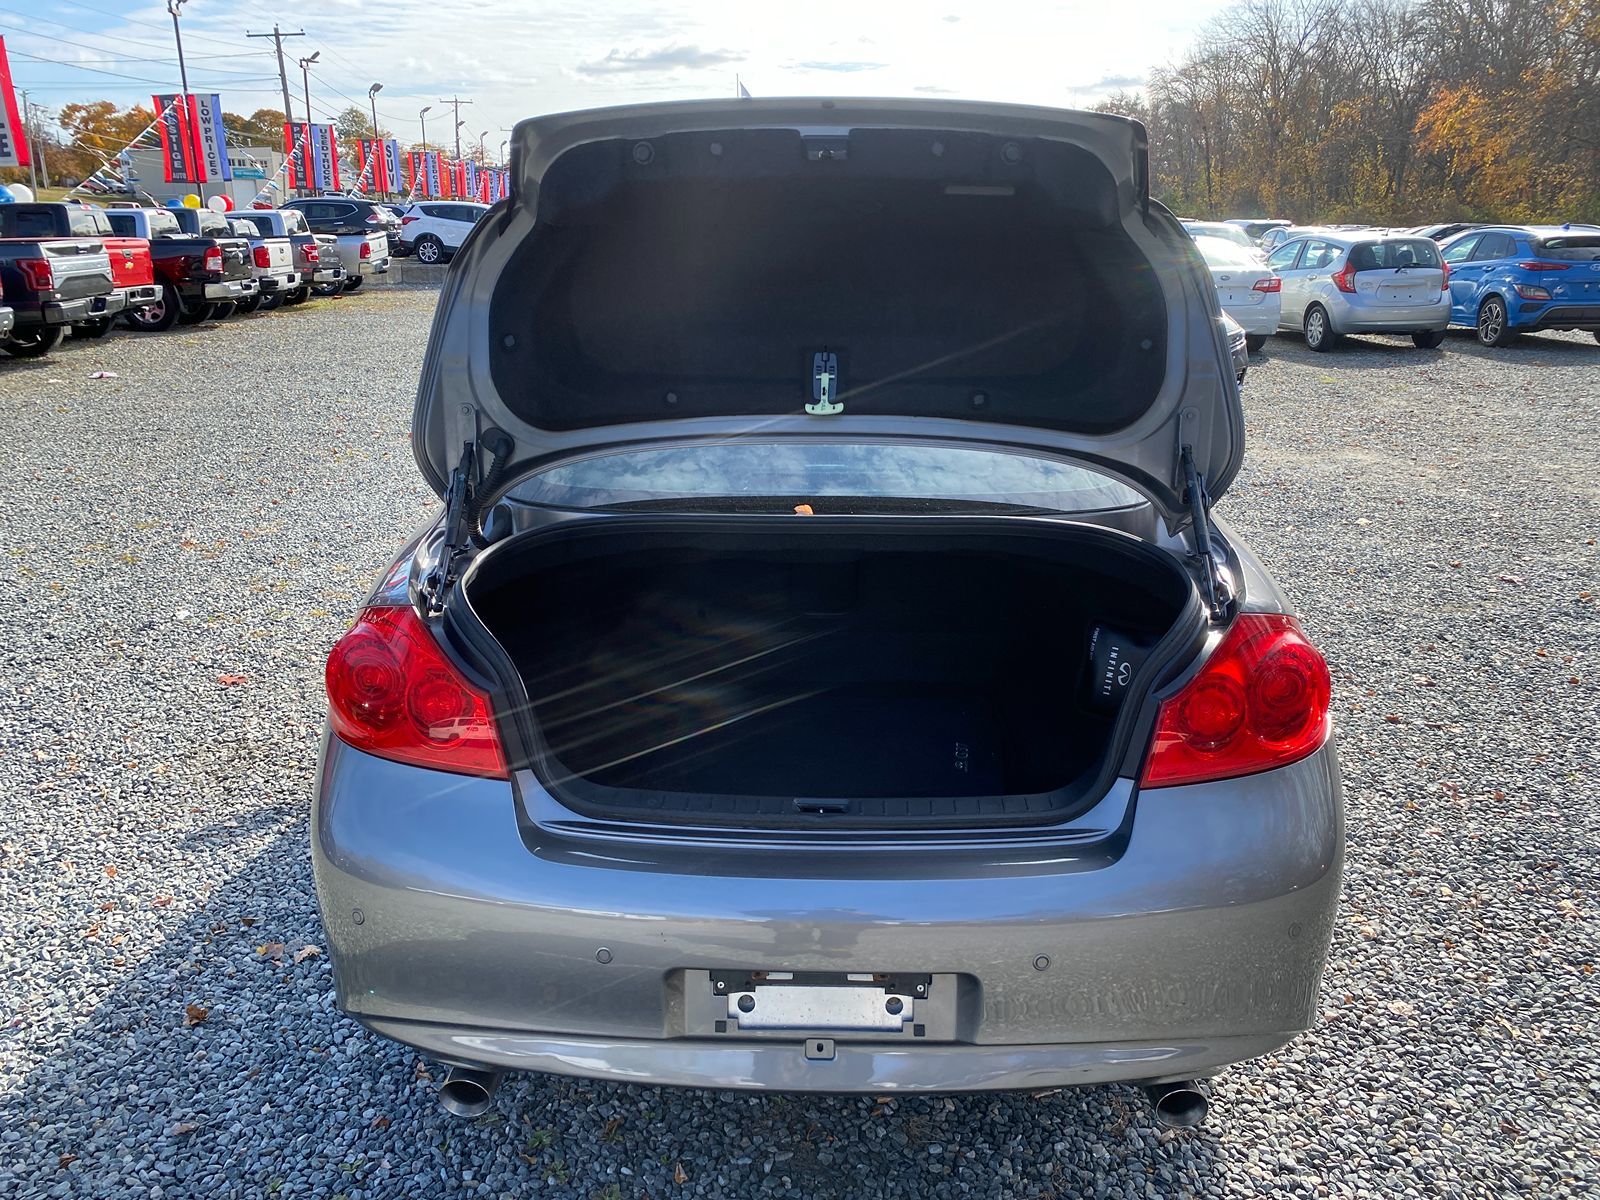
(201, 268)
(275, 271)
(49, 284)
(132, 276)
(367, 233)
(316, 254)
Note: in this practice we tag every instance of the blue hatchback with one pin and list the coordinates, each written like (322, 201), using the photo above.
(1512, 279)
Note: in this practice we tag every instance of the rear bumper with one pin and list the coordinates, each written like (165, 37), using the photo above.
(1260, 319)
(328, 274)
(8, 320)
(1421, 318)
(70, 312)
(232, 289)
(1178, 931)
(283, 281)
(1556, 316)
(145, 293)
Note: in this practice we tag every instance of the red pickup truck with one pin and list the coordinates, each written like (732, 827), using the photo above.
(132, 271)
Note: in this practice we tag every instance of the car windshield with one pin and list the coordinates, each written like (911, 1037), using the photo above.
(1571, 249)
(1220, 253)
(1395, 253)
(937, 478)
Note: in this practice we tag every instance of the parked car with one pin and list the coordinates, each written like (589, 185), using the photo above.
(1507, 280)
(316, 254)
(827, 673)
(273, 259)
(1258, 227)
(1247, 289)
(1238, 347)
(1228, 233)
(52, 283)
(354, 222)
(1446, 231)
(132, 274)
(203, 270)
(1337, 283)
(435, 229)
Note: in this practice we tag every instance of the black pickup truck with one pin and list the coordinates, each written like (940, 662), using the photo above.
(203, 269)
(49, 284)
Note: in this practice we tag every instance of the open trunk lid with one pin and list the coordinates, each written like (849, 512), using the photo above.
(852, 269)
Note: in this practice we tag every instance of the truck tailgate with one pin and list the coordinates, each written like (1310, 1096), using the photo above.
(130, 261)
(80, 265)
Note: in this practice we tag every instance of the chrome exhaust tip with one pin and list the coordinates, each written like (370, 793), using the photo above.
(1181, 1105)
(467, 1092)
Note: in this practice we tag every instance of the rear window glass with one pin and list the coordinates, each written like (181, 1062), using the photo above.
(1398, 252)
(213, 225)
(89, 222)
(947, 477)
(1220, 253)
(164, 224)
(1571, 249)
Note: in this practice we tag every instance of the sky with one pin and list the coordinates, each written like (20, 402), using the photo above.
(518, 59)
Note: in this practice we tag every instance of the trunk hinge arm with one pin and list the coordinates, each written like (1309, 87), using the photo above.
(1219, 594)
(457, 530)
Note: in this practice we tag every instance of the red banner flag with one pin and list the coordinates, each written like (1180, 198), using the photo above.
(13, 133)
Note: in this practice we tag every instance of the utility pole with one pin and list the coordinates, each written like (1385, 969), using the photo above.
(457, 102)
(27, 140)
(38, 144)
(172, 7)
(283, 78)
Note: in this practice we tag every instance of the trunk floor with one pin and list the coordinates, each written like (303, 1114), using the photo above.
(833, 744)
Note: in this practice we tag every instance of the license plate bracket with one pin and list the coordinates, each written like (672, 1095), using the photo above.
(818, 1000)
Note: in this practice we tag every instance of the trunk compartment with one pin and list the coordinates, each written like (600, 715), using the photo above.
(791, 672)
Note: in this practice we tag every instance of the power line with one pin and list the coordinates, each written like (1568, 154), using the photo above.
(136, 21)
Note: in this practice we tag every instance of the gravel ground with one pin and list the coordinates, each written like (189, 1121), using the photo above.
(187, 539)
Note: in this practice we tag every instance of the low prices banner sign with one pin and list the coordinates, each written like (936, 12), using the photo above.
(13, 134)
(211, 146)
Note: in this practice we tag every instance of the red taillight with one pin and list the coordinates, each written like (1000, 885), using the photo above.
(263, 256)
(1345, 278)
(393, 693)
(1273, 284)
(1260, 701)
(366, 249)
(214, 259)
(1444, 284)
(37, 273)
(374, 219)
(309, 252)
(408, 220)
(1539, 264)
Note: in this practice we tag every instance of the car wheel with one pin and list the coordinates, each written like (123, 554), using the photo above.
(155, 316)
(33, 341)
(270, 302)
(1430, 339)
(1493, 327)
(1319, 332)
(429, 249)
(299, 296)
(249, 304)
(193, 316)
(1254, 341)
(98, 328)
(329, 289)
(221, 312)
(352, 283)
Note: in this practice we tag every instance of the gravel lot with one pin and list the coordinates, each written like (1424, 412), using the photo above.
(186, 540)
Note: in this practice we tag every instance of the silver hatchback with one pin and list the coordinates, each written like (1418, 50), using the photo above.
(1338, 283)
(826, 672)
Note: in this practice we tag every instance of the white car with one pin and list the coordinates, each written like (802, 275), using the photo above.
(1228, 233)
(1249, 290)
(435, 229)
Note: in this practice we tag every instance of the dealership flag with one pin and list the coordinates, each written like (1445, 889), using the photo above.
(324, 158)
(431, 165)
(391, 158)
(296, 138)
(179, 161)
(205, 125)
(13, 135)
